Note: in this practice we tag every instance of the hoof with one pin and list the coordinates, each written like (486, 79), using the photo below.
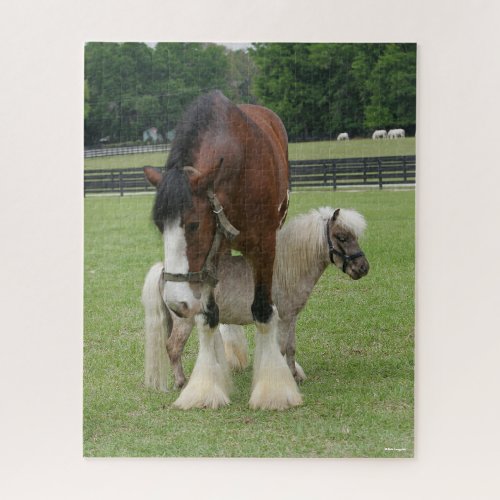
(265, 397)
(275, 390)
(179, 384)
(194, 397)
(299, 374)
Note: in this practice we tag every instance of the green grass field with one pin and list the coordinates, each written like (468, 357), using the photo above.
(355, 341)
(297, 151)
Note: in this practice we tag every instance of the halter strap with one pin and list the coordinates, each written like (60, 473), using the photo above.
(208, 273)
(333, 251)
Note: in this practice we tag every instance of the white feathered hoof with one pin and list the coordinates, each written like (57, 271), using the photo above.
(210, 383)
(276, 390)
(196, 396)
(208, 387)
(274, 387)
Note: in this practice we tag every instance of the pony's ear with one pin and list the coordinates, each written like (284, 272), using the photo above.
(153, 175)
(335, 215)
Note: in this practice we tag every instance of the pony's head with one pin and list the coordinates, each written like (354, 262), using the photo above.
(343, 229)
(184, 217)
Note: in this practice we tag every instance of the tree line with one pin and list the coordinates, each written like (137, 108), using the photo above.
(318, 90)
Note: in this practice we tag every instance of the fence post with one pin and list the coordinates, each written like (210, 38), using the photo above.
(379, 173)
(364, 170)
(404, 169)
(334, 167)
(121, 182)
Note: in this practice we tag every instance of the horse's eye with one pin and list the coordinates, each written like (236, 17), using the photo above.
(192, 226)
(341, 238)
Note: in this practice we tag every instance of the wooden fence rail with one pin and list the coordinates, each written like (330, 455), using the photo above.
(330, 174)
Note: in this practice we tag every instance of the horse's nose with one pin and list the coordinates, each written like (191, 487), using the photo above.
(181, 309)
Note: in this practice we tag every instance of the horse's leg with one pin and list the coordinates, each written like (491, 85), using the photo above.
(157, 325)
(274, 387)
(208, 386)
(182, 328)
(235, 346)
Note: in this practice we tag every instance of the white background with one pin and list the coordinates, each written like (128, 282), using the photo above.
(41, 256)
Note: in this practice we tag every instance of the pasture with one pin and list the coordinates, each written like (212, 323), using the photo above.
(355, 341)
(356, 148)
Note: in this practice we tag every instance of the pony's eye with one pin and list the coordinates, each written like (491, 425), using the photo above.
(341, 238)
(192, 226)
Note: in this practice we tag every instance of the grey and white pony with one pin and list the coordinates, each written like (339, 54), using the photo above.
(396, 133)
(344, 136)
(304, 249)
(379, 134)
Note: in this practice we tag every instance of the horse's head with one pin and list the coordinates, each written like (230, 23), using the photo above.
(343, 230)
(184, 216)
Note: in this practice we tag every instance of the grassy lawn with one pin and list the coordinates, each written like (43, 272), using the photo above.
(297, 151)
(355, 342)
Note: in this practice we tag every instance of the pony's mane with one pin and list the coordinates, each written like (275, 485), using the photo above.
(174, 193)
(348, 219)
(301, 244)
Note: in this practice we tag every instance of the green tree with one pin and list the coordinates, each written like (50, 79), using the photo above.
(320, 90)
(392, 88)
(86, 97)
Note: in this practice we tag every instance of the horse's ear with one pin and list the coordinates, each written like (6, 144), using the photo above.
(335, 215)
(194, 177)
(153, 175)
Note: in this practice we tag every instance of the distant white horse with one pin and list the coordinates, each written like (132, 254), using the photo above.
(304, 249)
(395, 133)
(379, 134)
(344, 136)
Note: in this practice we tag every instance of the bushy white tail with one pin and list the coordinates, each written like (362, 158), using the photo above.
(157, 320)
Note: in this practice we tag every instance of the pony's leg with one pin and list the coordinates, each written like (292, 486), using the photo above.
(157, 328)
(182, 328)
(295, 368)
(286, 331)
(235, 346)
(208, 386)
(274, 387)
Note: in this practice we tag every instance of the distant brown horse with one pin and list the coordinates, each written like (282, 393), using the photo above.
(225, 185)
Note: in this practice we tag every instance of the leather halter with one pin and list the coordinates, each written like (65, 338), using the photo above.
(208, 273)
(332, 251)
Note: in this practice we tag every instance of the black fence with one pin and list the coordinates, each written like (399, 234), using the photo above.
(125, 150)
(377, 171)
(330, 174)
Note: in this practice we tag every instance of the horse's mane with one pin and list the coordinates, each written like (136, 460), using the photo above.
(174, 193)
(301, 245)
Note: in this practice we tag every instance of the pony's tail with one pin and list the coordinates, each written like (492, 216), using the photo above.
(157, 325)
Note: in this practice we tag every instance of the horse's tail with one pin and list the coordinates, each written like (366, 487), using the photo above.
(158, 325)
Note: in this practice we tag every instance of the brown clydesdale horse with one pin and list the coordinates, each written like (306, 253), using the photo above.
(225, 186)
